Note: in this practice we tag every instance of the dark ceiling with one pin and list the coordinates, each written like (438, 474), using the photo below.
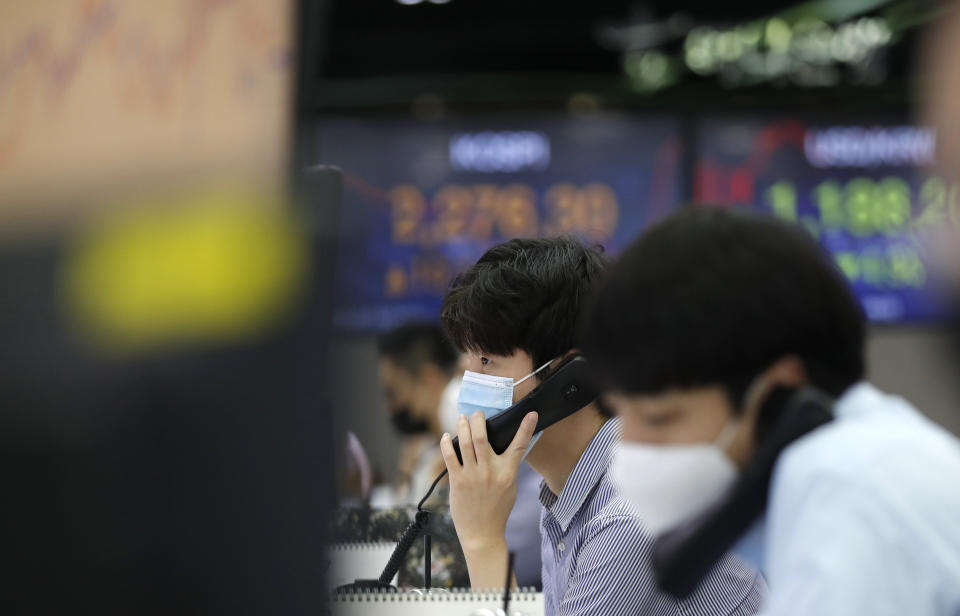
(369, 38)
(367, 53)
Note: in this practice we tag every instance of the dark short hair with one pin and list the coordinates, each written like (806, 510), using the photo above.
(713, 296)
(524, 294)
(412, 345)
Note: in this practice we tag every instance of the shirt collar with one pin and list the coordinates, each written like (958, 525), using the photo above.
(589, 470)
(859, 399)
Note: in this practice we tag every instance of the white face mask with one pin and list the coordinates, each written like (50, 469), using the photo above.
(667, 484)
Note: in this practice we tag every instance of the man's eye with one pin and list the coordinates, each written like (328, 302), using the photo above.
(484, 361)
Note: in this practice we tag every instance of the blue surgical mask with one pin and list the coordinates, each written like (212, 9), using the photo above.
(490, 394)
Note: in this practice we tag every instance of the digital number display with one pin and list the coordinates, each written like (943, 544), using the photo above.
(860, 190)
(423, 201)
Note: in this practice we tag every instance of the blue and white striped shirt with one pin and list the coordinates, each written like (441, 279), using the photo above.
(596, 552)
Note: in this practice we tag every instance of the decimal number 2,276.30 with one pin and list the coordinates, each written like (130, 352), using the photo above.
(482, 212)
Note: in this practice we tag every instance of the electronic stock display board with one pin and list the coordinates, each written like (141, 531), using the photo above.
(423, 200)
(861, 187)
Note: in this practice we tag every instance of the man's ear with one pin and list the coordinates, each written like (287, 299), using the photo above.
(788, 371)
(560, 360)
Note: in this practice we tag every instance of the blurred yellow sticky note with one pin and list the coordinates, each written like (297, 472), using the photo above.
(211, 267)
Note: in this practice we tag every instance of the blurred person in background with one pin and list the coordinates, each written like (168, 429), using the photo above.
(701, 319)
(355, 474)
(516, 312)
(416, 365)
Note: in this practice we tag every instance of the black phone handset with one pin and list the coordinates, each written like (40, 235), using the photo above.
(567, 390)
(683, 556)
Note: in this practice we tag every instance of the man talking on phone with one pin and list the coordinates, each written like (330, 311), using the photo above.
(515, 313)
(705, 322)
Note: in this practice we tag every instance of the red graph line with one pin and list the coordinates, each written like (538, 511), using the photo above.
(735, 184)
(379, 196)
(770, 140)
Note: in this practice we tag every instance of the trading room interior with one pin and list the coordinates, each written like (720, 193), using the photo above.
(282, 283)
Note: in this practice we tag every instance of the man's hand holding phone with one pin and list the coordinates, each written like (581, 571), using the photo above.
(482, 492)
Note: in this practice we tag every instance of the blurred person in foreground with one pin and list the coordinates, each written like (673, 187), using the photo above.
(416, 365)
(515, 312)
(937, 91)
(701, 318)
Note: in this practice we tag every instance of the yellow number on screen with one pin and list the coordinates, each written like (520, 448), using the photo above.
(517, 213)
(566, 209)
(486, 201)
(603, 211)
(453, 205)
(407, 209)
